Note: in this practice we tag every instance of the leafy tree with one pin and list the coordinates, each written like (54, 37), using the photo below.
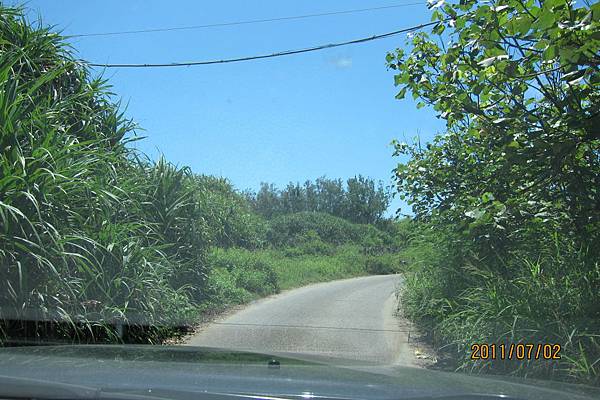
(331, 196)
(312, 196)
(517, 84)
(267, 201)
(293, 198)
(508, 197)
(364, 203)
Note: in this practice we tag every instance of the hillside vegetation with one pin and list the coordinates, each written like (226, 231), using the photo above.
(100, 244)
(505, 246)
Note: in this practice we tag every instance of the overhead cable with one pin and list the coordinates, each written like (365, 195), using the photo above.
(262, 56)
(246, 22)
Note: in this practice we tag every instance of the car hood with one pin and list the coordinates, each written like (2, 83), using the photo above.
(174, 372)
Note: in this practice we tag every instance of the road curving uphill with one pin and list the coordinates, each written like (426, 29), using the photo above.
(351, 318)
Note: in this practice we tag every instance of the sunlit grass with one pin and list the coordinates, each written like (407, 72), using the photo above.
(292, 272)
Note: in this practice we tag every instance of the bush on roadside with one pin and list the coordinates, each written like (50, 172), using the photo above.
(249, 271)
(303, 269)
(229, 217)
(94, 233)
(223, 291)
(384, 264)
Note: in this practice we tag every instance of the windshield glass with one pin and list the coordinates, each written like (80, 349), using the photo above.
(409, 184)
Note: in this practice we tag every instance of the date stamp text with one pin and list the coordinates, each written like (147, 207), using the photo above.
(515, 351)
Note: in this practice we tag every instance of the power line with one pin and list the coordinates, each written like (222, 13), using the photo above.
(262, 56)
(247, 22)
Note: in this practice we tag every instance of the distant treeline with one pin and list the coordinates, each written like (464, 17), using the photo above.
(360, 200)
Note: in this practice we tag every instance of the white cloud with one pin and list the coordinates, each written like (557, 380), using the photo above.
(342, 62)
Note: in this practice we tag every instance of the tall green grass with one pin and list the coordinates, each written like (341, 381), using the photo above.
(550, 296)
(91, 234)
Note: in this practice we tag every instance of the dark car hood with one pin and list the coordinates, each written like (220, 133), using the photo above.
(178, 372)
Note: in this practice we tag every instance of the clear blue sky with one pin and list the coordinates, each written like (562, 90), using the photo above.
(292, 118)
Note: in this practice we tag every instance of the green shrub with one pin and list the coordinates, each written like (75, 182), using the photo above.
(382, 265)
(223, 291)
(290, 229)
(228, 214)
(309, 244)
(252, 273)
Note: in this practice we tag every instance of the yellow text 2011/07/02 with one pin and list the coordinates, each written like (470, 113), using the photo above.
(515, 351)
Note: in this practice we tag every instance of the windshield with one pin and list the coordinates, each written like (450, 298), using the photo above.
(409, 184)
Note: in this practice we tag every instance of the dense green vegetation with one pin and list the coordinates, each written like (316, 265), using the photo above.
(94, 236)
(505, 244)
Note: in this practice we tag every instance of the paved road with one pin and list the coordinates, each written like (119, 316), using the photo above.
(351, 318)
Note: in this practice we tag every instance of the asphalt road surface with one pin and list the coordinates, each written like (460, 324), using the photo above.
(352, 319)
